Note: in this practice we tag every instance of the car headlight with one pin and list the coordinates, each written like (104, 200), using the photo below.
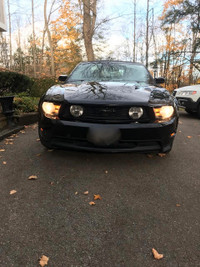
(76, 111)
(164, 112)
(135, 112)
(187, 93)
(50, 110)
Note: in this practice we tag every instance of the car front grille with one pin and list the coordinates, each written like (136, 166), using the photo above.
(105, 114)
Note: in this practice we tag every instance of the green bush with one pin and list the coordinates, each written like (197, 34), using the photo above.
(14, 83)
(41, 85)
(25, 104)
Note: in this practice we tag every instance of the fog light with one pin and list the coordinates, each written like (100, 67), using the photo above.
(76, 111)
(135, 112)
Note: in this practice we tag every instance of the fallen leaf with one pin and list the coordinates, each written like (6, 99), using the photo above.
(97, 197)
(38, 155)
(86, 193)
(180, 131)
(9, 143)
(92, 203)
(2, 150)
(161, 155)
(51, 183)
(50, 150)
(43, 261)
(76, 193)
(180, 122)
(4, 162)
(12, 192)
(22, 131)
(32, 177)
(150, 156)
(189, 137)
(178, 205)
(34, 126)
(106, 172)
(156, 255)
(38, 139)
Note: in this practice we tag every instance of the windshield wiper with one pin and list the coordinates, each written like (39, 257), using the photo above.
(76, 81)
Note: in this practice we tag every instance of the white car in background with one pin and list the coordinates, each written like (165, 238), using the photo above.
(188, 97)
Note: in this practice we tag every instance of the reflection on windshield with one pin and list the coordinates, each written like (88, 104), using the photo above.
(109, 71)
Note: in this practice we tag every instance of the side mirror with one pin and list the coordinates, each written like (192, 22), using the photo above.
(159, 80)
(62, 78)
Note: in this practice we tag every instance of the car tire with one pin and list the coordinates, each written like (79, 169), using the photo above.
(198, 111)
(43, 141)
(189, 111)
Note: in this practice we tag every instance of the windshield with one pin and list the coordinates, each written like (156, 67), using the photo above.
(110, 71)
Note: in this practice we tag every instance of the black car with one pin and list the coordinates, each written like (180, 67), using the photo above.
(108, 106)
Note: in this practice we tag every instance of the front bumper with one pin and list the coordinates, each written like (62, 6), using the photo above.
(187, 103)
(138, 137)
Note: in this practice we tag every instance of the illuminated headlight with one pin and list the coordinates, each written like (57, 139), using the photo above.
(135, 112)
(76, 111)
(50, 110)
(164, 112)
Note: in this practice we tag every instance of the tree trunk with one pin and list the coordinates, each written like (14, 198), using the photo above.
(34, 48)
(89, 20)
(49, 39)
(194, 48)
(10, 39)
(147, 35)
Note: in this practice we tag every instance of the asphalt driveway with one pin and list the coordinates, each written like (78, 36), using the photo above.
(147, 202)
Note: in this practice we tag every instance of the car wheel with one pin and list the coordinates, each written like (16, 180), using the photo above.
(44, 141)
(198, 111)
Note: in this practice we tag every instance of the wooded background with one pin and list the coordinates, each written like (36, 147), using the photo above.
(76, 30)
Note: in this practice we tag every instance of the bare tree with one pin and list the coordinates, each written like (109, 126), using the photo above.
(34, 46)
(10, 38)
(134, 36)
(89, 21)
(147, 35)
(47, 20)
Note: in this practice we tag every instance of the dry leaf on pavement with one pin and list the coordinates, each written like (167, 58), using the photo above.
(156, 255)
(12, 192)
(150, 156)
(97, 197)
(43, 261)
(22, 131)
(178, 205)
(50, 150)
(2, 150)
(4, 162)
(161, 155)
(92, 203)
(106, 172)
(76, 193)
(38, 155)
(86, 193)
(32, 177)
(38, 139)
(189, 137)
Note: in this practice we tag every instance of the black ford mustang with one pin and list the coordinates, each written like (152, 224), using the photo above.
(108, 106)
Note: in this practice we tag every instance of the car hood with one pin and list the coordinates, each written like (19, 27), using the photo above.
(93, 92)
